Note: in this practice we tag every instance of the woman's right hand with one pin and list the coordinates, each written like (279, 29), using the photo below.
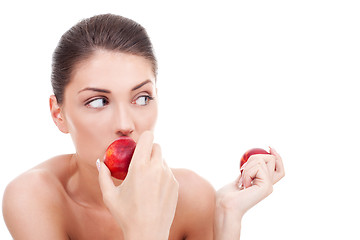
(144, 203)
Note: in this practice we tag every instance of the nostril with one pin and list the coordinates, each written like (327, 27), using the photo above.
(124, 132)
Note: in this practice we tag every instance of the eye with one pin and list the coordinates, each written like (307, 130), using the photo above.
(143, 100)
(97, 103)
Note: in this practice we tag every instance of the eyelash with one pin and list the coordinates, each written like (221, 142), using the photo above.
(106, 101)
(88, 102)
(149, 98)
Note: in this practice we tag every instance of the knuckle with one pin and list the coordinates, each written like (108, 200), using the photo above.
(147, 135)
(253, 158)
(269, 189)
(175, 186)
(175, 183)
(171, 179)
(107, 197)
(157, 168)
(157, 146)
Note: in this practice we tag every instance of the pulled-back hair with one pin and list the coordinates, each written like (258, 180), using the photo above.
(106, 32)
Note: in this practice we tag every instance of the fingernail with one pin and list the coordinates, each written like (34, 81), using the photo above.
(240, 184)
(98, 164)
(243, 167)
(272, 150)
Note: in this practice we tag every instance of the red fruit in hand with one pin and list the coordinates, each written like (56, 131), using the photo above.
(250, 152)
(118, 156)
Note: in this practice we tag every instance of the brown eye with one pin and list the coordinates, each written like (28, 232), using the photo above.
(97, 103)
(143, 100)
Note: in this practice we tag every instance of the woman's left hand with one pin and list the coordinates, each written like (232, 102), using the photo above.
(253, 185)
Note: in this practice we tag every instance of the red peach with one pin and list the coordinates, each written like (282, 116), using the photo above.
(118, 156)
(250, 152)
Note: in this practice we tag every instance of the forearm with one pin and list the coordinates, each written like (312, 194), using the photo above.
(226, 225)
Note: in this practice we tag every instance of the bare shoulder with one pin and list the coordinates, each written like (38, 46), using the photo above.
(191, 183)
(196, 204)
(34, 195)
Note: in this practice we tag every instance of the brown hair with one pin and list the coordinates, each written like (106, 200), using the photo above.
(106, 31)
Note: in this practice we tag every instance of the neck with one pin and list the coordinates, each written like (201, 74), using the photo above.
(83, 185)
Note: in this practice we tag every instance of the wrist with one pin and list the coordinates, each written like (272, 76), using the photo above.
(229, 208)
(227, 223)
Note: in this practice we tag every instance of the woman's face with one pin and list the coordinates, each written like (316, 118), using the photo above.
(110, 95)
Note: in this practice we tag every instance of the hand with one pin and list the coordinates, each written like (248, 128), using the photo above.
(254, 184)
(144, 204)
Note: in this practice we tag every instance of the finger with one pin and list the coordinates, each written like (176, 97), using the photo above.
(261, 183)
(156, 155)
(143, 149)
(271, 168)
(279, 166)
(239, 181)
(105, 180)
(170, 172)
(253, 160)
(165, 164)
(256, 174)
(167, 168)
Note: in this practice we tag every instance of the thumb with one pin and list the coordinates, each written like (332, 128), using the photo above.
(105, 181)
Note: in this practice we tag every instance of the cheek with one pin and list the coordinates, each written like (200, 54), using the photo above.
(88, 133)
(146, 120)
(91, 132)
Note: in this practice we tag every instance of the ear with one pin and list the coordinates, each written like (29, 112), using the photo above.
(56, 114)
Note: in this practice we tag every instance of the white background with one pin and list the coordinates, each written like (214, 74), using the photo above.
(232, 75)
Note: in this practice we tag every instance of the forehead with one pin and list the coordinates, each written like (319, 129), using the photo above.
(109, 69)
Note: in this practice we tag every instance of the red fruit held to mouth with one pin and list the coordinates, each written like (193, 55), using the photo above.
(118, 156)
(250, 152)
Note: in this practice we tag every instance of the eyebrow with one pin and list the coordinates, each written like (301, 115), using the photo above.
(107, 91)
(141, 84)
(94, 89)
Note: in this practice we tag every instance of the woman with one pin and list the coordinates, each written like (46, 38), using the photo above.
(104, 82)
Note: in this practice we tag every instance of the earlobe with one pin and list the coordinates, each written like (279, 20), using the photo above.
(56, 114)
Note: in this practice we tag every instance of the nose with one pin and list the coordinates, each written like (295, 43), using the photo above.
(124, 124)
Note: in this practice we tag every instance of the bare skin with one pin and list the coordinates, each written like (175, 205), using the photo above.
(254, 184)
(45, 203)
(109, 95)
